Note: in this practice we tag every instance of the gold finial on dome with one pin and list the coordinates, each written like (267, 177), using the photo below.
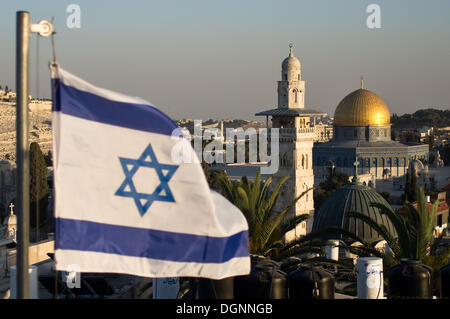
(291, 53)
(362, 82)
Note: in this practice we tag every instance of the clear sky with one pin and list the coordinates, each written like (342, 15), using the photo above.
(221, 59)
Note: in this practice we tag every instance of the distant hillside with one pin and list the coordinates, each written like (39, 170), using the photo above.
(420, 118)
(39, 125)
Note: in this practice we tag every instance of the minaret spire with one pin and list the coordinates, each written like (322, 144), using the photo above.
(291, 52)
(362, 82)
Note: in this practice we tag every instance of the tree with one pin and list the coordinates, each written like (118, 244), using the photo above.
(49, 159)
(332, 184)
(207, 171)
(430, 140)
(38, 186)
(267, 227)
(411, 137)
(411, 188)
(393, 135)
(424, 117)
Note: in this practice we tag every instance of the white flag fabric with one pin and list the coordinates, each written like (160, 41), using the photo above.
(122, 205)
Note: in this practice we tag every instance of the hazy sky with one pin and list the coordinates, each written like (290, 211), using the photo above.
(221, 59)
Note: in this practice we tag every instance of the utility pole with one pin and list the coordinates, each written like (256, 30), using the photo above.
(24, 28)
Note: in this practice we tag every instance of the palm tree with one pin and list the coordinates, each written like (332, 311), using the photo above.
(413, 233)
(267, 227)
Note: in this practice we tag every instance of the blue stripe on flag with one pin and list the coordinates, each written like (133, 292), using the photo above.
(89, 106)
(148, 243)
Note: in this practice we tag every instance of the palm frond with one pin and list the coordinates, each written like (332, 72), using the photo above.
(379, 228)
(401, 246)
(293, 222)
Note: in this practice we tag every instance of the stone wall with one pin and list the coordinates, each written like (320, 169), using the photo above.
(36, 252)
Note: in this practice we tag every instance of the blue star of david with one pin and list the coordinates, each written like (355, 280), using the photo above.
(161, 193)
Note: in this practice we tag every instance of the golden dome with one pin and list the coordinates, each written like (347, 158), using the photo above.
(361, 108)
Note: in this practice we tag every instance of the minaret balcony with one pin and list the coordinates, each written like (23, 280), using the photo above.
(299, 134)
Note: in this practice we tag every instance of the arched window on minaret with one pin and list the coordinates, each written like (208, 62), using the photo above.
(303, 161)
(306, 161)
(284, 160)
(295, 96)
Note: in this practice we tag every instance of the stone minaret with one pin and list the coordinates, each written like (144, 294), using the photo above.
(297, 133)
(291, 88)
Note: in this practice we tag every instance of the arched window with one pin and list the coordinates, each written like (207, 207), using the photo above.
(303, 161)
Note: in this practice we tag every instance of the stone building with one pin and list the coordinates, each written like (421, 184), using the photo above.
(362, 129)
(10, 225)
(324, 132)
(296, 136)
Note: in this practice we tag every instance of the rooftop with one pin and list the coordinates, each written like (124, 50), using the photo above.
(291, 112)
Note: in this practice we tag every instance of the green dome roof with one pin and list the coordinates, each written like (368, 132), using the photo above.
(352, 197)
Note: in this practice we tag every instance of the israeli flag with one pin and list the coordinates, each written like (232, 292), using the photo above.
(122, 205)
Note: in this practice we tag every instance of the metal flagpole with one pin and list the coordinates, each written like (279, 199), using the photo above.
(24, 28)
(22, 154)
